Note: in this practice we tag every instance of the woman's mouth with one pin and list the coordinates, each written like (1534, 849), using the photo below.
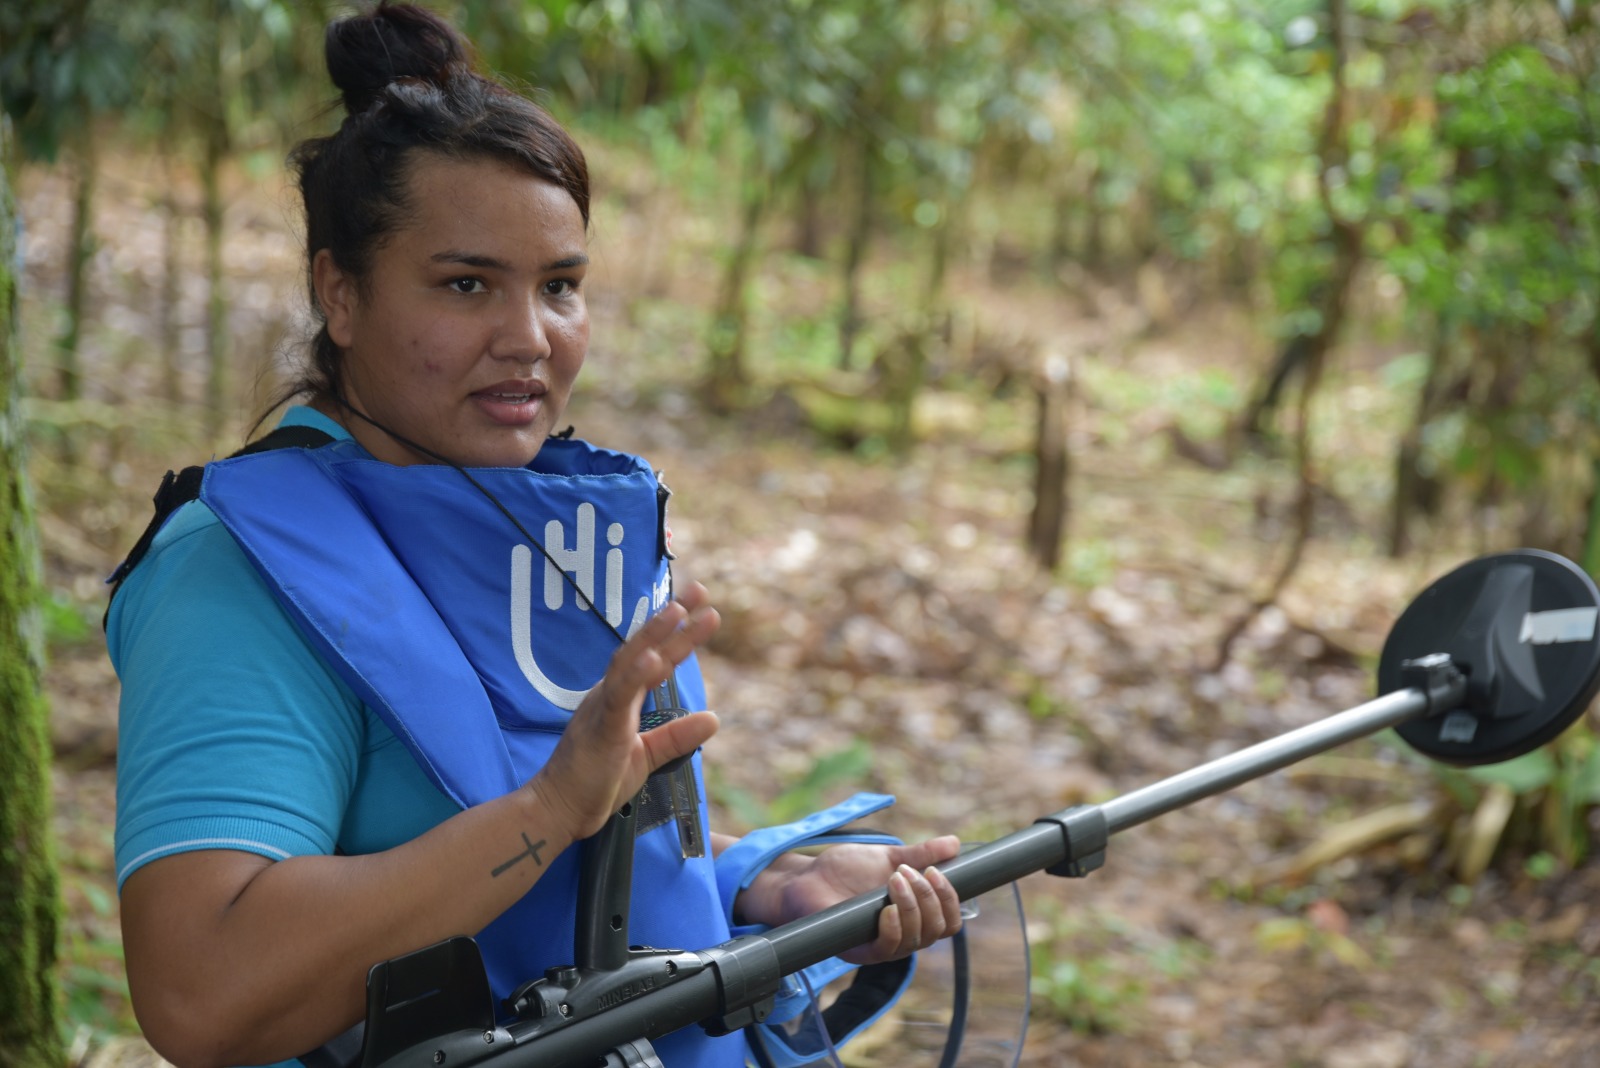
(509, 407)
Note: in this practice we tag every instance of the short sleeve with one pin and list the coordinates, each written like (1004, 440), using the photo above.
(232, 732)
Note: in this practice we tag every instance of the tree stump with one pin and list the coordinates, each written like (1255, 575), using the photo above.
(1048, 522)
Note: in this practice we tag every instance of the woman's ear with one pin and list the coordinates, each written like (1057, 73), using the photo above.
(336, 296)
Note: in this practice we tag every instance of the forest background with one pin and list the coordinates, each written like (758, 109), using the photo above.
(1057, 394)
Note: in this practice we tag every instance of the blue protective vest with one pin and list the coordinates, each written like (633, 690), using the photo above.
(472, 648)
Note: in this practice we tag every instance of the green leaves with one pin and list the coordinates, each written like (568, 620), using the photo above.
(1541, 800)
(1525, 774)
(829, 776)
(60, 71)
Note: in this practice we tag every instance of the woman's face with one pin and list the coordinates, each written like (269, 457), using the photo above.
(471, 325)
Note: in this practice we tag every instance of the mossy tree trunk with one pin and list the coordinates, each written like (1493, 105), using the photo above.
(29, 895)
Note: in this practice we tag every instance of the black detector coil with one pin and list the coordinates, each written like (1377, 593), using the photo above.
(1521, 625)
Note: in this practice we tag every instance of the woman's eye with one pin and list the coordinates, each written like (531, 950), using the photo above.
(560, 287)
(467, 285)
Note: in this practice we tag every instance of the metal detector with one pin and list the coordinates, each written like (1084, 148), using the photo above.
(1490, 662)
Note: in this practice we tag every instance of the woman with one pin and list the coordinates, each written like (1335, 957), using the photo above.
(332, 749)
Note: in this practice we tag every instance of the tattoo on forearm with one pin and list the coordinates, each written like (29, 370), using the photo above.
(532, 850)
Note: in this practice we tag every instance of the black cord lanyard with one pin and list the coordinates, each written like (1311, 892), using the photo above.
(667, 706)
(492, 499)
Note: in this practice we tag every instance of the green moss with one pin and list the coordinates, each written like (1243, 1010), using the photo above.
(30, 900)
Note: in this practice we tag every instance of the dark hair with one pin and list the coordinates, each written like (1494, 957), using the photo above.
(408, 85)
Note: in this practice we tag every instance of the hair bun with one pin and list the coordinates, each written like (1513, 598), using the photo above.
(367, 52)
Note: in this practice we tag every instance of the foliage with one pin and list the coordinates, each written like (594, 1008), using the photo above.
(1540, 802)
(1493, 229)
(1303, 934)
(92, 967)
(60, 70)
(817, 788)
(1083, 970)
(1534, 810)
(1176, 132)
(66, 623)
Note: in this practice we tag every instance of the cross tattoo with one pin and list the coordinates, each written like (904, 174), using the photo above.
(532, 850)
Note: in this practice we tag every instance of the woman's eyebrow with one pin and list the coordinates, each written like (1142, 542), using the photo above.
(469, 259)
(476, 259)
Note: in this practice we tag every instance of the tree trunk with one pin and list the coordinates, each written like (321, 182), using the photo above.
(1094, 230)
(1048, 521)
(216, 151)
(1304, 509)
(1347, 238)
(904, 377)
(1410, 491)
(1591, 537)
(726, 376)
(171, 278)
(903, 374)
(1264, 399)
(1330, 294)
(855, 252)
(1059, 253)
(69, 375)
(808, 222)
(30, 905)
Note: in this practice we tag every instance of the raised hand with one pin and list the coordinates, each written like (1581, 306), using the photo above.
(603, 759)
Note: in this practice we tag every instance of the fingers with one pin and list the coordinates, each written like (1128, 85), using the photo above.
(949, 901)
(678, 738)
(923, 908)
(922, 913)
(674, 632)
(693, 596)
(648, 657)
(909, 890)
(923, 854)
(935, 907)
(602, 756)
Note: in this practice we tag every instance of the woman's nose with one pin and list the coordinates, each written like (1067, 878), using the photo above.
(522, 335)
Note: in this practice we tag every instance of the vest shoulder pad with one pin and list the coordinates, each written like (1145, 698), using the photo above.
(179, 488)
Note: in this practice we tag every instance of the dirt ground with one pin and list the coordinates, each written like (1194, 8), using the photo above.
(885, 630)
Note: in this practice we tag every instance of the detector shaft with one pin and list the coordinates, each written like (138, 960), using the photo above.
(1224, 773)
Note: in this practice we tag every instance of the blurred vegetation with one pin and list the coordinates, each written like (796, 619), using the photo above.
(1428, 169)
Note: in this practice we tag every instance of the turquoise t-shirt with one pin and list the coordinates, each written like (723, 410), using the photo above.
(233, 733)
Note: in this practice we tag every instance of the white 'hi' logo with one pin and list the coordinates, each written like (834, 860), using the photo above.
(579, 562)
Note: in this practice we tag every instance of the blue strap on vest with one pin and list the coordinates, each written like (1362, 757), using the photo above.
(737, 867)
